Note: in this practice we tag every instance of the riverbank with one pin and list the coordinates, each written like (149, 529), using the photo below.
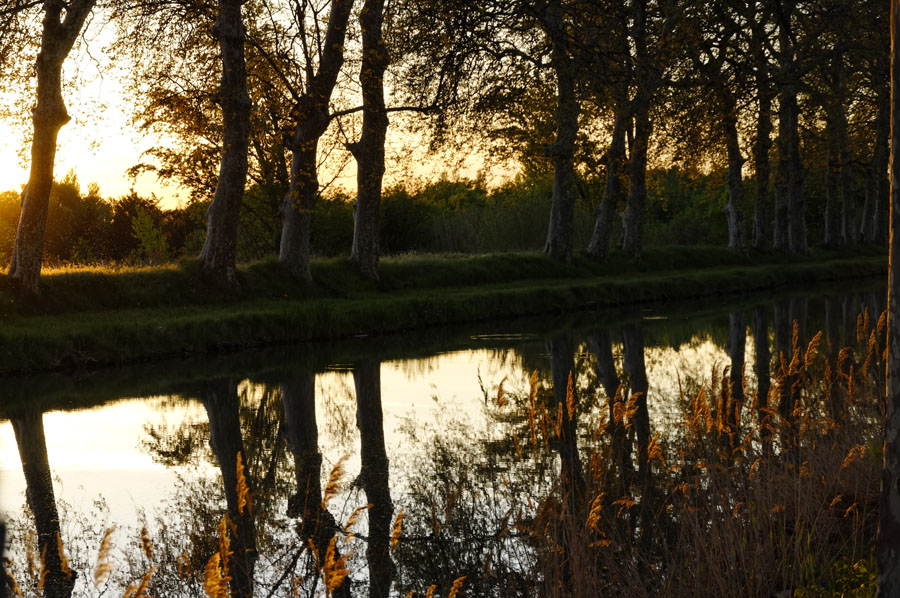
(95, 317)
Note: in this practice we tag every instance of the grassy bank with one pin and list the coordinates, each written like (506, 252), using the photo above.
(100, 316)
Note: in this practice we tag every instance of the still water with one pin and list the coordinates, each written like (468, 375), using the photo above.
(394, 461)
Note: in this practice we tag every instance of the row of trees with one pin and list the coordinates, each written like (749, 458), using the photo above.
(278, 93)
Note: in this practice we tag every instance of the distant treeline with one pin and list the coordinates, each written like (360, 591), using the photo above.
(461, 216)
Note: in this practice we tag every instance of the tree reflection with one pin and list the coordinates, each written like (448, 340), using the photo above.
(317, 528)
(374, 475)
(57, 578)
(222, 405)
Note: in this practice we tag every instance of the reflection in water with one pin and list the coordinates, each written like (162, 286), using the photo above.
(58, 579)
(565, 486)
(317, 528)
(220, 398)
(374, 476)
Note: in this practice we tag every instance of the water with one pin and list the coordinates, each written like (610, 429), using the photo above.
(147, 446)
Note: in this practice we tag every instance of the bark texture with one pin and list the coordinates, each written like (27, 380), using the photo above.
(61, 25)
(222, 405)
(887, 545)
(612, 192)
(789, 133)
(874, 224)
(369, 151)
(734, 208)
(310, 117)
(374, 476)
(59, 580)
(217, 258)
(762, 209)
(633, 218)
(560, 236)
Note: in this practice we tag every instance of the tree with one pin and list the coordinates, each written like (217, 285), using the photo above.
(217, 258)
(369, 150)
(310, 117)
(61, 26)
(887, 549)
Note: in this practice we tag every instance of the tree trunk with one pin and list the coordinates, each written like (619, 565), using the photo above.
(49, 116)
(310, 117)
(848, 205)
(734, 209)
(560, 236)
(223, 410)
(832, 178)
(369, 152)
(762, 209)
(790, 164)
(374, 476)
(887, 545)
(59, 581)
(782, 187)
(633, 218)
(217, 258)
(878, 184)
(612, 193)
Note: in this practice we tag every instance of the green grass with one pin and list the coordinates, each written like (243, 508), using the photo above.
(95, 316)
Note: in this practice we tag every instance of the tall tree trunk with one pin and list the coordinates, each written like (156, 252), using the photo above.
(848, 205)
(612, 192)
(873, 224)
(633, 218)
(782, 187)
(789, 134)
(217, 258)
(311, 117)
(887, 545)
(762, 209)
(369, 152)
(49, 116)
(222, 405)
(560, 236)
(59, 580)
(734, 209)
(833, 226)
(374, 476)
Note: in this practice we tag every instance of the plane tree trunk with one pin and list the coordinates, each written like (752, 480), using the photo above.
(217, 258)
(369, 151)
(873, 225)
(49, 116)
(310, 117)
(560, 236)
(633, 218)
(887, 545)
(612, 192)
(734, 209)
